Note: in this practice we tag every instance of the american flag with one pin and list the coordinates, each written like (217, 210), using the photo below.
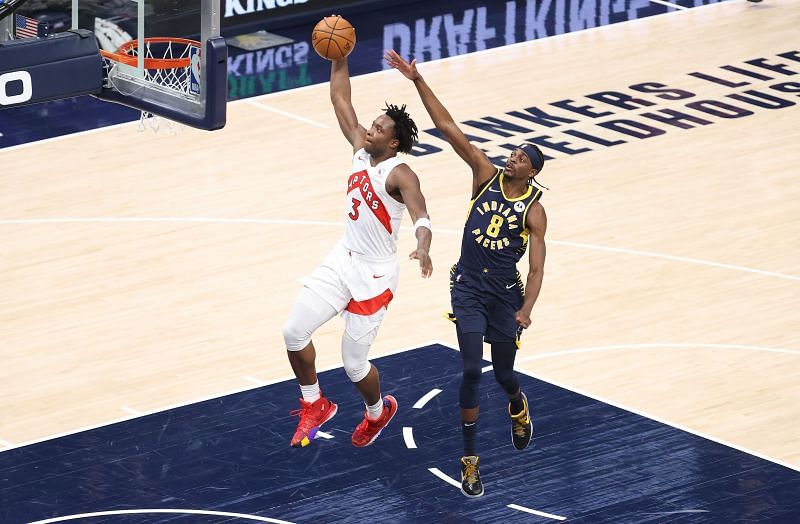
(27, 27)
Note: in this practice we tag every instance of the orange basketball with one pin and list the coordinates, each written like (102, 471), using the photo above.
(333, 38)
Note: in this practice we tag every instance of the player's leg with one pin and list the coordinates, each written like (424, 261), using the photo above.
(471, 347)
(360, 371)
(322, 296)
(365, 376)
(372, 284)
(503, 355)
(468, 309)
(503, 334)
(308, 313)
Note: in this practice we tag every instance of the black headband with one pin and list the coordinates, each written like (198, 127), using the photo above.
(534, 155)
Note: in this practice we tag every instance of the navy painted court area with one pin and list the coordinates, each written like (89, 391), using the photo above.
(229, 456)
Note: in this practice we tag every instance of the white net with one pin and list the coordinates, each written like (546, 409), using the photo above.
(168, 68)
(159, 124)
(167, 65)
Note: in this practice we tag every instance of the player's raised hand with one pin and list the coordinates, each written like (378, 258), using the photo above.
(409, 70)
(425, 263)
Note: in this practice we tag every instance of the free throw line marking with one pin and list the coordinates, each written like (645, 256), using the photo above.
(171, 511)
(441, 475)
(408, 437)
(426, 398)
(536, 512)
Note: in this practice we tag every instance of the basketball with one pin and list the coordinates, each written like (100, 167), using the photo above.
(333, 38)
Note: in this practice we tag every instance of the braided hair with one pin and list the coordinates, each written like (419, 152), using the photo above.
(405, 130)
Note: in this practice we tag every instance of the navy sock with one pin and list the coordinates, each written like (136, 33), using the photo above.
(469, 430)
(516, 404)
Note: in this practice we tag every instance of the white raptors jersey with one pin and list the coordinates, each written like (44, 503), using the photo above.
(373, 216)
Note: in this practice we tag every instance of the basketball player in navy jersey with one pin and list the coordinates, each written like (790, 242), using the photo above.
(488, 297)
(359, 276)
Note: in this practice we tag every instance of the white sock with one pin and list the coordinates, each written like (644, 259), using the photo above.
(311, 393)
(374, 411)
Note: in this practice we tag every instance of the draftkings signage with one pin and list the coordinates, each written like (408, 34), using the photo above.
(237, 12)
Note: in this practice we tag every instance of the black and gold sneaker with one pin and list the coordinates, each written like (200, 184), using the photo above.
(521, 425)
(471, 484)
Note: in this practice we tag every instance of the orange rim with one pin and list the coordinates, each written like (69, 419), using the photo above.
(122, 56)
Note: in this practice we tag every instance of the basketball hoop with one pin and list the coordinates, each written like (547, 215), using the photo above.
(170, 64)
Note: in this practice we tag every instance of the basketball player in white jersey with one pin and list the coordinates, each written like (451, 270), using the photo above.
(359, 276)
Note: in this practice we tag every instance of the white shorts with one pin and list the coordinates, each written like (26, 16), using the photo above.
(358, 287)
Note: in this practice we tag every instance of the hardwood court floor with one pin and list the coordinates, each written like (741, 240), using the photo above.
(143, 271)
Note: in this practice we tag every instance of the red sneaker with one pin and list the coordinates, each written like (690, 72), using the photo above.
(312, 416)
(368, 430)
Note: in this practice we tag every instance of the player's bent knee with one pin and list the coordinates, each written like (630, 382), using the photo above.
(354, 355)
(357, 373)
(295, 336)
(472, 375)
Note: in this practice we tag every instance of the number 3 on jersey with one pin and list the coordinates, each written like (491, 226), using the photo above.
(353, 214)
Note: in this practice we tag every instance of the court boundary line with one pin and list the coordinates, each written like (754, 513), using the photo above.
(670, 4)
(287, 114)
(383, 71)
(271, 221)
(673, 345)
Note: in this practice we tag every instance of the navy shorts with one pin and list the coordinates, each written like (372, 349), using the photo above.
(486, 303)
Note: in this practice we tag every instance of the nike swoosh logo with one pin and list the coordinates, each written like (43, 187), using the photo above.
(494, 190)
(377, 276)
(509, 287)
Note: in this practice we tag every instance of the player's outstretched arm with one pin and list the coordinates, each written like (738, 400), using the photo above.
(407, 182)
(536, 222)
(482, 168)
(342, 105)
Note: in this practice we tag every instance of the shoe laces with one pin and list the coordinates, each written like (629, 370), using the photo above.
(367, 423)
(520, 423)
(304, 413)
(470, 471)
(364, 424)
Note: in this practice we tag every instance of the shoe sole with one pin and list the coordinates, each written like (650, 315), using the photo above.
(378, 434)
(471, 496)
(312, 434)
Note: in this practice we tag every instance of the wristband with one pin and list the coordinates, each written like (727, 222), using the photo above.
(422, 222)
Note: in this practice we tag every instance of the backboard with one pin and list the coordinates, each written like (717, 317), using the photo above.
(165, 57)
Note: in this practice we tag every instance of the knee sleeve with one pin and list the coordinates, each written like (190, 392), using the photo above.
(308, 313)
(471, 346)
(503, 355)
(354, 355)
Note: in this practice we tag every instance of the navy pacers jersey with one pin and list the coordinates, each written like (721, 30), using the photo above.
(495, 236)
